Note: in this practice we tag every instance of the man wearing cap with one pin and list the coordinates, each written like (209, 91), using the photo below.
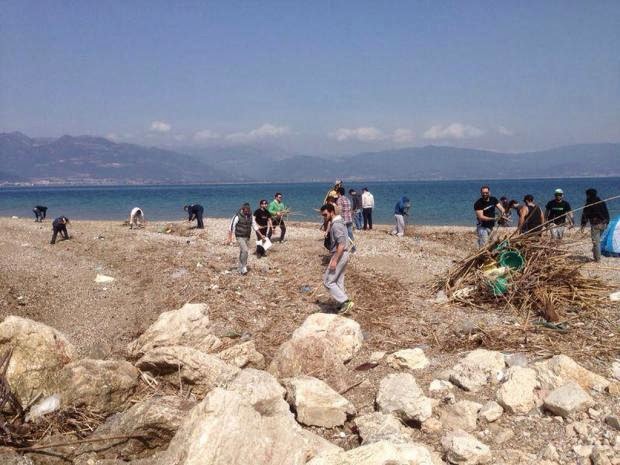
(559, 213)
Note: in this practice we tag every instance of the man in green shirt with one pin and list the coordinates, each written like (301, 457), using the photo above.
(278, 211)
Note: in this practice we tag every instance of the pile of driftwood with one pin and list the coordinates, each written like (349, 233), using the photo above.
(549, 284)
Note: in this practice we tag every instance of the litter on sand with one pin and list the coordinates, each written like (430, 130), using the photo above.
(101, 278)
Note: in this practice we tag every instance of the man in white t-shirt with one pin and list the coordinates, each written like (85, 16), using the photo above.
(368, 203)
(136, 217)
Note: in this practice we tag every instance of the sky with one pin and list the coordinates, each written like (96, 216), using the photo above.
(314, 77)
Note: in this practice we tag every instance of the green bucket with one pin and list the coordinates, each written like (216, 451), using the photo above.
(511, 259)
(499, 286)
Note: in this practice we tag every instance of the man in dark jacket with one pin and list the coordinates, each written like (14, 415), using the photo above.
(39, 213)
(597, 215)
(60, 226)
(195, 213)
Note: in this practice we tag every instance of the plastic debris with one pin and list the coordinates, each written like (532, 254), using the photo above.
(48, 405)
(101, 278)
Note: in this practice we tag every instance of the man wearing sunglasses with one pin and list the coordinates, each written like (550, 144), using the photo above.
(485, 214)
(333, 278)
(263, 220)
(278, 210)
(559, 212)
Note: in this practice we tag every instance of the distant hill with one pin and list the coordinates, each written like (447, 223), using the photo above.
(95, 160)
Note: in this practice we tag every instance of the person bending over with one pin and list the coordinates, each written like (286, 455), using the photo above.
(136, 218)
(195, 213)
(59, 225)
(39, 213)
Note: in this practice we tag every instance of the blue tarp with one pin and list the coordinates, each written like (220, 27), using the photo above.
(610, 242)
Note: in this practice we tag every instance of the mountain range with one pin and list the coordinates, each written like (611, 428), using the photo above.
(96, 160)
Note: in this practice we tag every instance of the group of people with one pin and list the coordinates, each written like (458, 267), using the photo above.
(556, 218)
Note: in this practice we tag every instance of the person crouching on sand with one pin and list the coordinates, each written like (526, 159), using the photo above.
(136, 218)
(60, 226)
(241, 226)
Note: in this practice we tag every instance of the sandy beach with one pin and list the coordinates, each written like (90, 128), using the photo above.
(164, 265)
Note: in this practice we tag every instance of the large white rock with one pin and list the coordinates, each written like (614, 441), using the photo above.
(103, 386)
(39, 353)
(261, 390)
(409, 359)
(344, 335)
(568, 399)
(517, 395)
(561, 369)
(225, 429)
(204, 371)
(377, 426)
(491, 411)
(243, 355)
(316, 404)
(187, 326)
(462, 448)
(378, 453)
(311, 356)
(462, 415)
(400, 395)
(477, 369)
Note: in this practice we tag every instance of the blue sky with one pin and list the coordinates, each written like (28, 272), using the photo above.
(314, 77)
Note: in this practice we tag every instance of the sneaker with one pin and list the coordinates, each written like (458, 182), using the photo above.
(346, 307)
(244, 270)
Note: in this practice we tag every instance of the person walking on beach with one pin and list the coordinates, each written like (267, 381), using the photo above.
(241, 226)
(59, 225)
(401, 210)
(347, 214)
(595, 213)
(368, 203)
(278, 211)
(485, 214)
(560, 213)
(39, 213)
(136, 218)
(195, 213)
(333, 278)
(531, 217)
(262, 217)
(356, 208)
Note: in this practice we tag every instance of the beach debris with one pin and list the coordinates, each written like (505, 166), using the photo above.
(15, 217)
(43, 407)
(614, 296)
(179, 273)
(101, 278)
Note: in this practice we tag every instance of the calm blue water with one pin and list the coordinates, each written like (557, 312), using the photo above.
(433, 202)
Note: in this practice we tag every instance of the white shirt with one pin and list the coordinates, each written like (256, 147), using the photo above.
(368, 200)
(135, 212)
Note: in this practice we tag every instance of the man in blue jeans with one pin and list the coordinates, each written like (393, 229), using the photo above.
(356, 208)
(485, 214)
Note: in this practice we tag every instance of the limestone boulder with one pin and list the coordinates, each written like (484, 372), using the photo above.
(491, 411)
(517, 394)
(461, 448)
(462, 415)
(187, 326)
(316, 404)
(562, 369)
(377, 426)
(225, 429)
(379, 453)
(479, 368)
(39, 353)
(261, 390)
(243, 355)
(400, 395)
(408, 359)
(155, 419)
(344, 334)
(567, 400)
(203, 371)
(103, 386)
(8, 456)
(312, 356)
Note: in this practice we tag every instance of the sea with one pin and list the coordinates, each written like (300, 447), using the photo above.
(433, 202)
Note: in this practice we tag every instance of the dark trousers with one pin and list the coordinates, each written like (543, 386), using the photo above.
(38, 215)
(62, 229)
(367, 213)
(278, 222)
(260, 252)
(201, 225)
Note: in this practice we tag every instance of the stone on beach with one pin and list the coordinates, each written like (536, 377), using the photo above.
(243, 355)
(344, 334)
(491, 411)
(517, 395)
(568, 399)
(316, 404)
(462, 448)
(463, 415)
(410, 359)
(379, 453)
(400, 395)
(39, 353)
(477, 369)
(187, 326)
(377, 426)
(561, 369)
(261, 390)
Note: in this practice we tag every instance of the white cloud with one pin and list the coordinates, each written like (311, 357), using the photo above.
(365, 134)
(403, 136)
(453, 131)
(112, 136)
(206, 134)
(160, 126)
(265, 131)
(505, 131)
